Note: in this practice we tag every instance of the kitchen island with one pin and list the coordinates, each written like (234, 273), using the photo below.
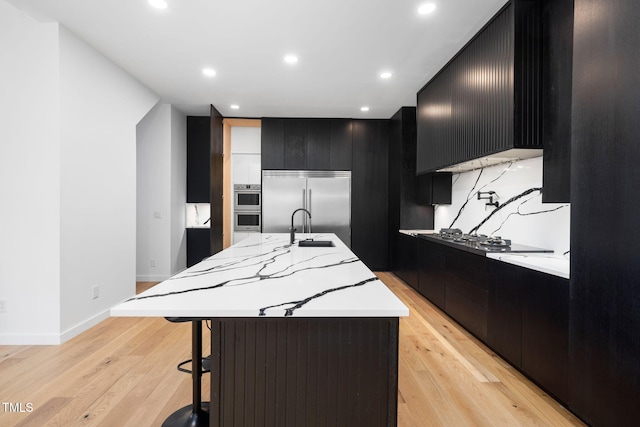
(299, 335)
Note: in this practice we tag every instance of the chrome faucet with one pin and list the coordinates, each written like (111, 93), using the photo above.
(292, 231)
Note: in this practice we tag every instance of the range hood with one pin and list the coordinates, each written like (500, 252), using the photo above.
(507, 156)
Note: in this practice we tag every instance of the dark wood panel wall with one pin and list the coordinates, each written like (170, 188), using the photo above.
(304, 372)
(605, 237)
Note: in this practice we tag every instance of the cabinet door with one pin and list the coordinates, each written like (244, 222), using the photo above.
(406, 266)
(467, 294)
(295, 144)
(318, 144)
(545, 331)
(432, 273)
(272, 143)
(198, 245)
(341, 144)
(198, 159)
(369, 202)
(504, 330)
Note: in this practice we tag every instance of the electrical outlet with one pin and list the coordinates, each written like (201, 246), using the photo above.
(152, 263)
(96, 292)
(3, 305)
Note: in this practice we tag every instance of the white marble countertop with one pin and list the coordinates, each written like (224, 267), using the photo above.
(264, 275)
(545, 263)
(416, 232)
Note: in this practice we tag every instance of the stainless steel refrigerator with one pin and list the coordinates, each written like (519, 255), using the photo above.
(325, 194)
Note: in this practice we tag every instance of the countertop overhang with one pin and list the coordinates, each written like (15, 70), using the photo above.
(264, 275)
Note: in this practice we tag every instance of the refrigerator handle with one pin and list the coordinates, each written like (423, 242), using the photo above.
(309, 209)
(304, 205)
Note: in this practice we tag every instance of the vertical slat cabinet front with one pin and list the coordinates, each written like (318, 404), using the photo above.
(467, 110)
(304, 372)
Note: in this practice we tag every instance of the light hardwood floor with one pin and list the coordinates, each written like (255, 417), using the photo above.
(122, 373)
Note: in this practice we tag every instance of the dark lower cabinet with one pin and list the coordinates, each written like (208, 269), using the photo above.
(520, 313)
(467, 294)
(431, 272)
(545, 332)
(504, 333)
(198, 245)
(529, 324)
(406, 260)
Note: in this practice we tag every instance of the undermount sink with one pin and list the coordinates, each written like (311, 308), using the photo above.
(316, 243)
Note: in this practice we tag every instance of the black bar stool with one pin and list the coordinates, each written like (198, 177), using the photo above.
(196, 414)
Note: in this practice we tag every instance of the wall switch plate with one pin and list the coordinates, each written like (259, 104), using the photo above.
(96, 292)
(3, 305)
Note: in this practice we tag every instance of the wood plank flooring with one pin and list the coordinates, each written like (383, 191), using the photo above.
(122, 372)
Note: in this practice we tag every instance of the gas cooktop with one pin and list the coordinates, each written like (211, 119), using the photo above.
(481, 242)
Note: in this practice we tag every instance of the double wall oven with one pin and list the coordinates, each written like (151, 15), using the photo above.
(247, 205)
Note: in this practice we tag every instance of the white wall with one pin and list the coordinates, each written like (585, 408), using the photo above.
(68, 148)
(526, 221)
(161, 187)
(29, 179)
(100, 107)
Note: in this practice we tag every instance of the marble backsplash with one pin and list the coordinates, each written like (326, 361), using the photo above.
(519, 213)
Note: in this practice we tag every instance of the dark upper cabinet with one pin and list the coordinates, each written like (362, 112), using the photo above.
(272, 143)
(306, 144)
(487, 98)
(369, 193)
(198, 159)
(295, 144)
(434, 188)
(557, 66)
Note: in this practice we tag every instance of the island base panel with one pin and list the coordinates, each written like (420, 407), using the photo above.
(304, 372)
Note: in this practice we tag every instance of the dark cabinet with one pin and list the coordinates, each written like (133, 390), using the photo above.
(306, 144)
(198, 245)
(406, 266)
(198, 159)
(557, 66)
(529, 324)
(432, 273)
(545, 331)
(405, 211)
(487, 98)
(467, 293)
(369, 193)
(434, 188)
(504, 332)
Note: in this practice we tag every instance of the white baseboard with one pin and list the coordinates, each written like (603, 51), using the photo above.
(81, 327)
(10, 339)
(53, 339)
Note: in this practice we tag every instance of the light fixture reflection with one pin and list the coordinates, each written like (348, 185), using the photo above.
(426, 8)
(158, 4)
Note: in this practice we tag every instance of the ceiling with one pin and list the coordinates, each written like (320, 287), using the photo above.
(342, 46)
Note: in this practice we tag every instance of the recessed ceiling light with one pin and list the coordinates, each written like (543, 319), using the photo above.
(290, 59)
(426, 8)
(209, 72)
(385, 75)
(364, 109)
(158, 4)
(235, 106)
